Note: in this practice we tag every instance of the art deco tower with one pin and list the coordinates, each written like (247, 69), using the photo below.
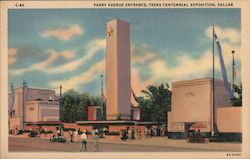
(118, 95)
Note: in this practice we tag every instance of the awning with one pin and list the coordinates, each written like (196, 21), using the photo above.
(197, 126)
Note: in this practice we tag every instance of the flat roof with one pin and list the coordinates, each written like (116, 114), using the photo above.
(40, 89)
(197, 81)
(114, 122)
(44, 123)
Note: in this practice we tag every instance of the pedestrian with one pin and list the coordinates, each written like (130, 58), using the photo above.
(58, 132)
(161, 131)
(71, 135)
(95, 138)
(148, 132)
(145, 132)
(126, 134)
(76, 135)
(132, 133)
(154, 131)
(151, 132)
(124, 137)
(121, 135)
(139, 134)
(38, 133)
(84, 138)
(129, 134)
(199, 132)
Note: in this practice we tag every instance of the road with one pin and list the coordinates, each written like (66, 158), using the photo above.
(38, 145)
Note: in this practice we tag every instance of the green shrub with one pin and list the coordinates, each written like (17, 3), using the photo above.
(33, 134)
(20, 132)
(42, 131)
(49, 132)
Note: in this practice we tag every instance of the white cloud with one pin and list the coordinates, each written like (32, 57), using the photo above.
(84, 78)
(137, 83)
(142, 58)
(12, 55)
(44, 65)
(92, 48)
(188, 67)
(231, 34)
(93, 73)
(64, 34)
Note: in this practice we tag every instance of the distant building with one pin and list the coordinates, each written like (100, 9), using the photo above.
(30, 105)
(94, 113)
(192, 109)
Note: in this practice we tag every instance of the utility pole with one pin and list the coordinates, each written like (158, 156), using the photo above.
(24, 89)
(233, 70)
(12, 99)
(102, 100)
(60, 111)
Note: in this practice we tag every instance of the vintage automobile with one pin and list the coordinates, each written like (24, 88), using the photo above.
(197, 137)
(57, 139)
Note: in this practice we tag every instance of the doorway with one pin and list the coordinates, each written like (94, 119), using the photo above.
(187, 131)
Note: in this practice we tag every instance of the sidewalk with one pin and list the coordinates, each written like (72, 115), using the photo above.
(169, 143)
(175, 143)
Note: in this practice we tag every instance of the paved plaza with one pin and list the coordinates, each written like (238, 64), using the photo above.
(155, 144)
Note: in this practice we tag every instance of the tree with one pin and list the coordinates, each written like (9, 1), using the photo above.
(157, 102)
(75, 106)
(237, 100)
(83, 107)
(70, 106)
(145, 105)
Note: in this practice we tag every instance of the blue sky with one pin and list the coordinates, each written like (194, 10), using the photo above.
(67, 46)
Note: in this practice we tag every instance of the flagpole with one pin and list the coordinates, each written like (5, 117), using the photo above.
(213, 89)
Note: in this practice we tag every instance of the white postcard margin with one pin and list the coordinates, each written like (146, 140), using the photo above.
(5, 5)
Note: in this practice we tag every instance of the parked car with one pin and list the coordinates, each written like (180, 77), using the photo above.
(57, 139)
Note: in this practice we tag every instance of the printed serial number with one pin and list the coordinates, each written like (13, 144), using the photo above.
(19, 5)
(233, 154)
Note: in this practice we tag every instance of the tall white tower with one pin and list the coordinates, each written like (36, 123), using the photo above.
(118, 95)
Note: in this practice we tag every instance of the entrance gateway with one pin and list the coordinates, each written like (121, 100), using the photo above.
(192, 106)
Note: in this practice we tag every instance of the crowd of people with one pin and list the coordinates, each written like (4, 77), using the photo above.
(84, 138)
(130, 133)
(154, 131)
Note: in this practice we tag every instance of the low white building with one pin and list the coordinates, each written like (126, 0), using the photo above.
(192, 109)
(32, 105)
